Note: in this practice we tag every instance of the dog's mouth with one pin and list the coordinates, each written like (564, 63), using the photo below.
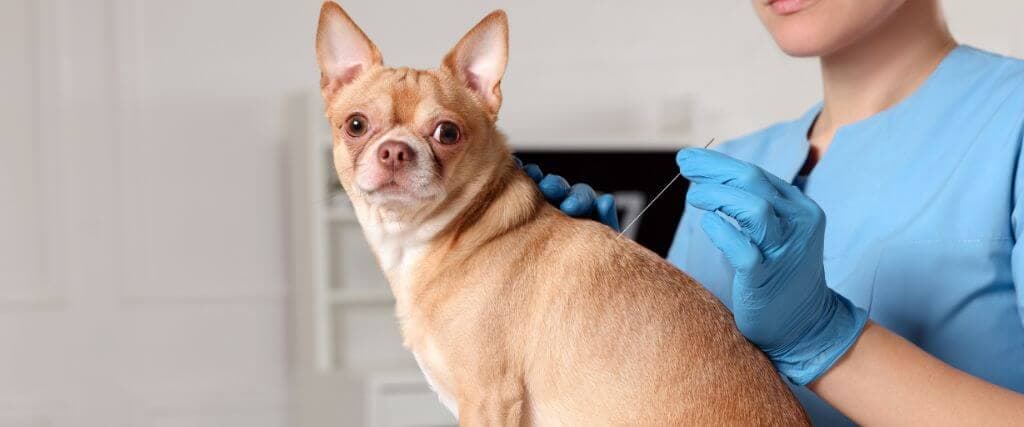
(398, 189)
(390, 188)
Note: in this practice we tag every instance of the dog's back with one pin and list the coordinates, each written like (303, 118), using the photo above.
(599, 330)
(650, 345)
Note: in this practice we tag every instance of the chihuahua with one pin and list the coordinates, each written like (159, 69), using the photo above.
(516, 313)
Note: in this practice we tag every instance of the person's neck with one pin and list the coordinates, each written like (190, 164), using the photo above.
(881, 69)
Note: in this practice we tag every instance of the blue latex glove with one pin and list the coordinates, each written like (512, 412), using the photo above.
(578, 200)
(780, 300)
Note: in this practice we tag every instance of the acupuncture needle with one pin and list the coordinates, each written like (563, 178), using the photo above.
(655, 199)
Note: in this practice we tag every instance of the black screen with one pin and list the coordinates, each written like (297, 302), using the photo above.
(633, 175)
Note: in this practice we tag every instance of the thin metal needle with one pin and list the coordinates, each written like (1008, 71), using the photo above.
(635, 219)
(655, 199)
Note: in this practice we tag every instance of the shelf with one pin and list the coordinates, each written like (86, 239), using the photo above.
(360, 296)
(340, 214)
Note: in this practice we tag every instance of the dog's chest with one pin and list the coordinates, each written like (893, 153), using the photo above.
(437, 373)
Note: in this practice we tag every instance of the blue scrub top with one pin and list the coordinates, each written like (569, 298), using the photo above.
(924, 204)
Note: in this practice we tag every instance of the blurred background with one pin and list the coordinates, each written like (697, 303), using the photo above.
(172, 252)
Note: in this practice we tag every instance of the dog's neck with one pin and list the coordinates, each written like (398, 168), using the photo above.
(500, 200)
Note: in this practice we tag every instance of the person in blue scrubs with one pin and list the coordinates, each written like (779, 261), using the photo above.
(908, 305)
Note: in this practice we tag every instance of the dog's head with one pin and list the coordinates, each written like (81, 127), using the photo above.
(405, 139)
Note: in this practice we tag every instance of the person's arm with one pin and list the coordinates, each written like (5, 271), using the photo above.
(885, 379)
(813, 335)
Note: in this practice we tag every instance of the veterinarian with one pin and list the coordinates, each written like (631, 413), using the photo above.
(914, 157)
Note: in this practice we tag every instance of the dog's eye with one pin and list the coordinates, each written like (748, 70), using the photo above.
(356, 125)
(446, 133)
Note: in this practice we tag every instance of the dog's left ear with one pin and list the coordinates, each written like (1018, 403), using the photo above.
(479, 59)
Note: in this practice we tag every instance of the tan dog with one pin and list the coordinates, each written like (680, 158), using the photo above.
(518, 314)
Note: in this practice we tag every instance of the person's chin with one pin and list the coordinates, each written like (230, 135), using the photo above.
(800, 50)
(803, 42)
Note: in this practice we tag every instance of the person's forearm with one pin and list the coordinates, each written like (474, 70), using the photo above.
(886, 380)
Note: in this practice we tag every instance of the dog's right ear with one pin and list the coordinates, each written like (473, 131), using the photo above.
(342, 49)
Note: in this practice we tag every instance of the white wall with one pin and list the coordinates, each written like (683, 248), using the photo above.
(586, 72)
(143, 276)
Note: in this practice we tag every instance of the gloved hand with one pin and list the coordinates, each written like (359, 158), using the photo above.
(780, 300)
(578, 201)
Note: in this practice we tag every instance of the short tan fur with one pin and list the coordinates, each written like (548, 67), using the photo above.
(518, 314)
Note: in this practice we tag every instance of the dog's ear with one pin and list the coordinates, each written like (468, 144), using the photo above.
(479, 59)
(342, 49)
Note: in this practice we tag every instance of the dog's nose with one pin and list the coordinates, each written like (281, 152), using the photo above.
(395, 153)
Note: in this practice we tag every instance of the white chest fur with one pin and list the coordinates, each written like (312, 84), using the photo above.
(400, 244)
(431, 361)
(399, 249)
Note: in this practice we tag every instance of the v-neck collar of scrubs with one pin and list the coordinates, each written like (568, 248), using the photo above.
(863, 158)
(787, 159)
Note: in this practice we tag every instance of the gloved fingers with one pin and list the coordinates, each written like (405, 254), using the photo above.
(787, 190)
(607, 214)
(579, 202)
(792, 193)
(797, 204)
(706, 166)
(554, 188)
(533, 171)
(741, 253)
(755, 215)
